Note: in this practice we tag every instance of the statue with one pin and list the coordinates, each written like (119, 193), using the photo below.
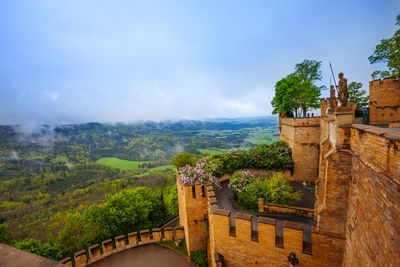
(343, 92)
(332, 100)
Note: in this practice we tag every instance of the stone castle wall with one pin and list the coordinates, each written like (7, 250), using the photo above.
(373, 219)
(357, 209)
(242, 246)
(303, 137)
(384, 101)
(120, 243)
(192, 208)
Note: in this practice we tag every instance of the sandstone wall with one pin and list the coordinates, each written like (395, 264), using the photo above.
(373, 220)
(384, 97)
(240, 246)
(120, 243)
(303, 136)
(192, 208)
(324, 103)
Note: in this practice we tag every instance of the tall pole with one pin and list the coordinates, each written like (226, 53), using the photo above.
(333, 75)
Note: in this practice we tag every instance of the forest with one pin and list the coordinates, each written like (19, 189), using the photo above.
(59, 184)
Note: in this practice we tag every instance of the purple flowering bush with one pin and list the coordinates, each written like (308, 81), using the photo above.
(277, 156)
(201, 173)
(239, 181)
(196, 170)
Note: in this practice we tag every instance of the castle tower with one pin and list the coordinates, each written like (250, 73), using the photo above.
(192, 210)
(384, 99)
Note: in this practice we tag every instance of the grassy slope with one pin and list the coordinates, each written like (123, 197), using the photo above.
(120, 163)
(211, 150)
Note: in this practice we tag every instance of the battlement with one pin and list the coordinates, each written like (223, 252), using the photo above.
(285, 209)
(289, 235)
(192, 208)
(301, 122)
(264, 239)
(384, 101)
(111, 246)
(384, 81)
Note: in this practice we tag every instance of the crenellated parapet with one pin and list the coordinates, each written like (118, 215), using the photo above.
(111, 246)
(192, 209)
(243, 240)
(384, 101)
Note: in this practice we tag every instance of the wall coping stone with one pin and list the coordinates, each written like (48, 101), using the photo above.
(384, 132)
(293, 225)
(94, 246)
(119, 237)
(67, 259)
(156, 230)
(267, 220)
(107, 241)
(221, 212)
(243, 216)
(213, 200)
(132, 234)
(144, 231)
(79, 253)
(168, 228)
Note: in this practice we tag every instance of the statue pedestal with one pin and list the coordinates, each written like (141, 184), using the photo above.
(341, 117)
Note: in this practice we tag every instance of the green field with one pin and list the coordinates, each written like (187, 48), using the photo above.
(212, 150)
(169, 168)
(262, 138)
(120, 163)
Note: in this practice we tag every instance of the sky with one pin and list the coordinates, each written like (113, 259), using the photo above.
(77, 61)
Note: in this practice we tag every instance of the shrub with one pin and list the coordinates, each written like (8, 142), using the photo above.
(240, 180)
(5, 235)
(201, 173)
(200, 258)
(49, 250)
(183, 159)
(275, 189)
(281, 192)
(170, 198)
(277, 156)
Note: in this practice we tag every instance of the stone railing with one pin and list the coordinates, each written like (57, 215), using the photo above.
(284, 209)
(122, 242)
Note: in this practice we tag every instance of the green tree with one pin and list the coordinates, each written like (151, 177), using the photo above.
(5, 235)
(128, 211)
(79, 234)
(275, 189)
(183, 159)
(357, 95)
(295, 95)
(309, 70)
(387, 51)
(280, 191)
(133, 210)
(170, 198)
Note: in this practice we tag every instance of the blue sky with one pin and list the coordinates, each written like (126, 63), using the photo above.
(78, 61)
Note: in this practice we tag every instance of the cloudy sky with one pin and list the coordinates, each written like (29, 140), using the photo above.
(78, 61)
